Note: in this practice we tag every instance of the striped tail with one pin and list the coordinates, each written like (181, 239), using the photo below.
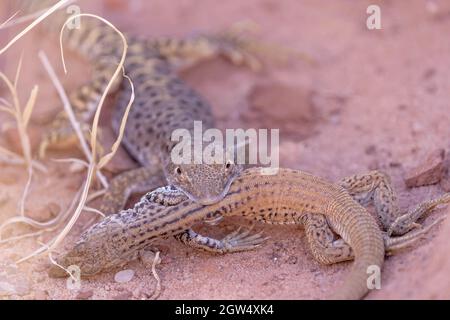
(360, 230)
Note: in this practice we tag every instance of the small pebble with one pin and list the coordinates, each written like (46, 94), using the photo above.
(124, 276)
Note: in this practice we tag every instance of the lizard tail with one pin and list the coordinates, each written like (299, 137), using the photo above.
(360, 230)
(98, 43)
(85, 35)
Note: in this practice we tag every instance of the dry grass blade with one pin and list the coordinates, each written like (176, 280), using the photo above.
(13, 158)
(7, 110)
(29, 106)
(25, 192)
(19, 114)
(19, 68)
(5, 102)
(73, 160)
(48, 12)
(96, 194)
(8, 21)
(106, 158)
(89, 209)
(157, 291)
(12, 22)
(22, 118)
(92, 165)
(23, 236)
(69, 110)
(48, 225)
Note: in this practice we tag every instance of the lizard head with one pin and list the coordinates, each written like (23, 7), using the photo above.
(83, 260)
(74, 258)
(203, 183)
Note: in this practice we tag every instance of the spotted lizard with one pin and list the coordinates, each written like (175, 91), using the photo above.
(163, 103)
(337, 227)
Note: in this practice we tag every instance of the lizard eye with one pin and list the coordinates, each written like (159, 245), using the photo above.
(228, 164)
(178, 170)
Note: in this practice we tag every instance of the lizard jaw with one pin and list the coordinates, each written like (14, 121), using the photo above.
(208, 200)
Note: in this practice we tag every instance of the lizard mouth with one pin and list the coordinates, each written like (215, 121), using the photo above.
(212, 199)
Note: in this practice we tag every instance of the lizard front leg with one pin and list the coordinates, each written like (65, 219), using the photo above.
(232, 44)
(234, 242)
(327, 248)
(171, 196)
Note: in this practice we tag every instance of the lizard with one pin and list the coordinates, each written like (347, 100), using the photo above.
(163, 102)
(337, 226)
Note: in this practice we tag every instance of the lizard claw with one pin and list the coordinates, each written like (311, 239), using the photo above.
(214, 220)
(243, 240)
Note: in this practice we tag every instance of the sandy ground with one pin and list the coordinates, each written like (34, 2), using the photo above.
(370, 99)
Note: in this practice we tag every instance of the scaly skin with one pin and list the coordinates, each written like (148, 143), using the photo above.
(288, 197)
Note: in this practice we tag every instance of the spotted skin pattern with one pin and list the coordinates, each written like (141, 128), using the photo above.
(163, 103)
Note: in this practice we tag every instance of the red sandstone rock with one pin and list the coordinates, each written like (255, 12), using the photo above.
(428, 172)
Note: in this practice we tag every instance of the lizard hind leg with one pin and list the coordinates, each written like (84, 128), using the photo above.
(232, 44)
(321, 239)
(406, 222)
(393, 244)
(239, 45)
(376, 186)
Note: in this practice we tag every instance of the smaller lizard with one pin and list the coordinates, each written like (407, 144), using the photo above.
(122, 237)
(337, 227)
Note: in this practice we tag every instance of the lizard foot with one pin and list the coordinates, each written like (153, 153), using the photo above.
(407, 222)
(240, 240)
(393, 244)
(241, 49)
